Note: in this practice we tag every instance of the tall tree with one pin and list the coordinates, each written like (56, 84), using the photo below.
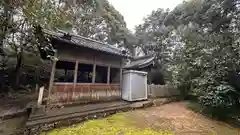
(19, 20)
(99, 20)
(204, 54)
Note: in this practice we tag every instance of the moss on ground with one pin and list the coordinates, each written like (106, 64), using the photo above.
(114, 125)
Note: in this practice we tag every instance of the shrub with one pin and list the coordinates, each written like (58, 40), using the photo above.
(220, 100)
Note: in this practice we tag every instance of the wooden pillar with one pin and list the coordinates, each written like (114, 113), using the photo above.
(51, 79)
(121, 74)
(40, 97)
(94, 73)
(74, 80)
(108, 75)
(75, 75)
(93, 77)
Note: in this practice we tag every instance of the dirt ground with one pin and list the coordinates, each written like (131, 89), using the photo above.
(179, 120)
(12, 104)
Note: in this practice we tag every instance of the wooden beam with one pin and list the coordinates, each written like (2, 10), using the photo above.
(108, 75)
(51, 79)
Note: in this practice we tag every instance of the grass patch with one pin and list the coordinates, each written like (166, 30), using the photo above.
(114, 125)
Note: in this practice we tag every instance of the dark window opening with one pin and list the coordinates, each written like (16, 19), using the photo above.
(64, 71)
(101, 74)
(114, 75)
(84, 73)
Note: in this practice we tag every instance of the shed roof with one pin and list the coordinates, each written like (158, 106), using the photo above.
(140, 62)
(85, 42)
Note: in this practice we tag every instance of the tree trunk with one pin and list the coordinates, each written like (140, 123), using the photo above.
(18, 69)
(5, 22)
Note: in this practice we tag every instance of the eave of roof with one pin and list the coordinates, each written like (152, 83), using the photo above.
(140, 62)
(86, 42)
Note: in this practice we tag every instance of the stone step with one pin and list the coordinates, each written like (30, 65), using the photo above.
(76, 109)
(33, 123)
(84, 113)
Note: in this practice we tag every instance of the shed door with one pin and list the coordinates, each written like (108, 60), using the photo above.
(139, 86)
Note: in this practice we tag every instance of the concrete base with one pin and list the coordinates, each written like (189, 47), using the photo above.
(161, 101)
(141, 104)
(40, 111)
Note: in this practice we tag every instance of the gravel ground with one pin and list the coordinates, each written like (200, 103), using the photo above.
(178, 119)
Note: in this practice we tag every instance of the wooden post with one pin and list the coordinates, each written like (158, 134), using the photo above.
(51, 79)
(40, 97)
(75, 75)
(108, 75)
(121, 74)
(94, 71)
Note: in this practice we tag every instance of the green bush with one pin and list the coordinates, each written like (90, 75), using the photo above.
(219, 101)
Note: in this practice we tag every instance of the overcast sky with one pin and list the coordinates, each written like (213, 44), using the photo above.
(134, 10)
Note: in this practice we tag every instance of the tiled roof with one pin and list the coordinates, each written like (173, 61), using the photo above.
(140, 62)
(86, 42)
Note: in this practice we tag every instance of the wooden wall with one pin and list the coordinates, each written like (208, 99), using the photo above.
(64, 93)
(67, 52)
(74, 92)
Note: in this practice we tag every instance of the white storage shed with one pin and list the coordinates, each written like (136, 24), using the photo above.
(134, 87)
